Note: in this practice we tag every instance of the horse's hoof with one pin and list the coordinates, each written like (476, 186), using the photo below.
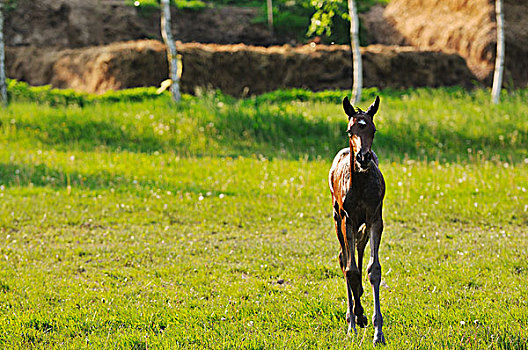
(351, 324)
(379, 338)
(361, 321)
(351, 329)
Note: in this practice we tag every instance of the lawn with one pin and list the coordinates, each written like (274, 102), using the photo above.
(208, 225)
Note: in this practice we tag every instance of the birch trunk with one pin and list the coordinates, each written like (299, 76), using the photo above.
(499, 59)
(357, 75)
(270, 15)
(171, 49)
(3, 83)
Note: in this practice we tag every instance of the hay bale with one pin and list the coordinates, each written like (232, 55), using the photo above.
(240, 69)
(95, 69)
(467, 28)
(235, 69)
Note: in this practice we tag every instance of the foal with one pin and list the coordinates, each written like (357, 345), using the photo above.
(358, 188)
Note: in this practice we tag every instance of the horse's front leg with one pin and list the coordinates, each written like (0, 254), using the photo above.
(350, 320)
(374, 274)
(341, 230)
(353, 277)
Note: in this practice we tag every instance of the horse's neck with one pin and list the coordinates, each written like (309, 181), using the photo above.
(358, 178)
(355, 175)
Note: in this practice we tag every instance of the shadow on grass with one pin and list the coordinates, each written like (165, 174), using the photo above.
(40, 175)
(241, 130)
(288, 135)
(275, 131)
(279, 133)
(86, 134)
(448, 145)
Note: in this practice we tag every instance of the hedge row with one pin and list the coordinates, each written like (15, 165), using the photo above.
(21, 91)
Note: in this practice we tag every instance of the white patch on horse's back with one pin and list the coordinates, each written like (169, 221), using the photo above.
(341, 155)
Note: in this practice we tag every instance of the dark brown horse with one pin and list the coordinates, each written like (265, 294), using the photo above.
(358, 188)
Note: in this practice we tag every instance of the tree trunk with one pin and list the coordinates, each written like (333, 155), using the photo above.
(356, 54)
(270, 15)
(171, 49)
(499, 59)
(3, 83)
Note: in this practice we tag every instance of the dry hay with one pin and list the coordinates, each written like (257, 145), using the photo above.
(235, 69)
(238, 68)
(95, 69)
(467, 28)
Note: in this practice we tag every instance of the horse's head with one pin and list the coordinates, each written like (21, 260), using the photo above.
(361, 131)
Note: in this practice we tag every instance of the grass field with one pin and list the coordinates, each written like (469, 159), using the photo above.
(142, 225)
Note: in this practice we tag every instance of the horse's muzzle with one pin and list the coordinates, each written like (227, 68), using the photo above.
(363, 160)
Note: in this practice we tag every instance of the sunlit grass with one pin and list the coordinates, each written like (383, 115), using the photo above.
(114, 234)
(224, 255)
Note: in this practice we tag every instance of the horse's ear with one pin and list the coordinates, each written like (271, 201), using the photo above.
(349, 109)
(373, 107)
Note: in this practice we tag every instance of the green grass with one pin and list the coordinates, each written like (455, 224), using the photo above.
(447, 125)
(142, 225)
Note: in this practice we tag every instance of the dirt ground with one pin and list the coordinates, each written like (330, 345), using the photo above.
(79, 23)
